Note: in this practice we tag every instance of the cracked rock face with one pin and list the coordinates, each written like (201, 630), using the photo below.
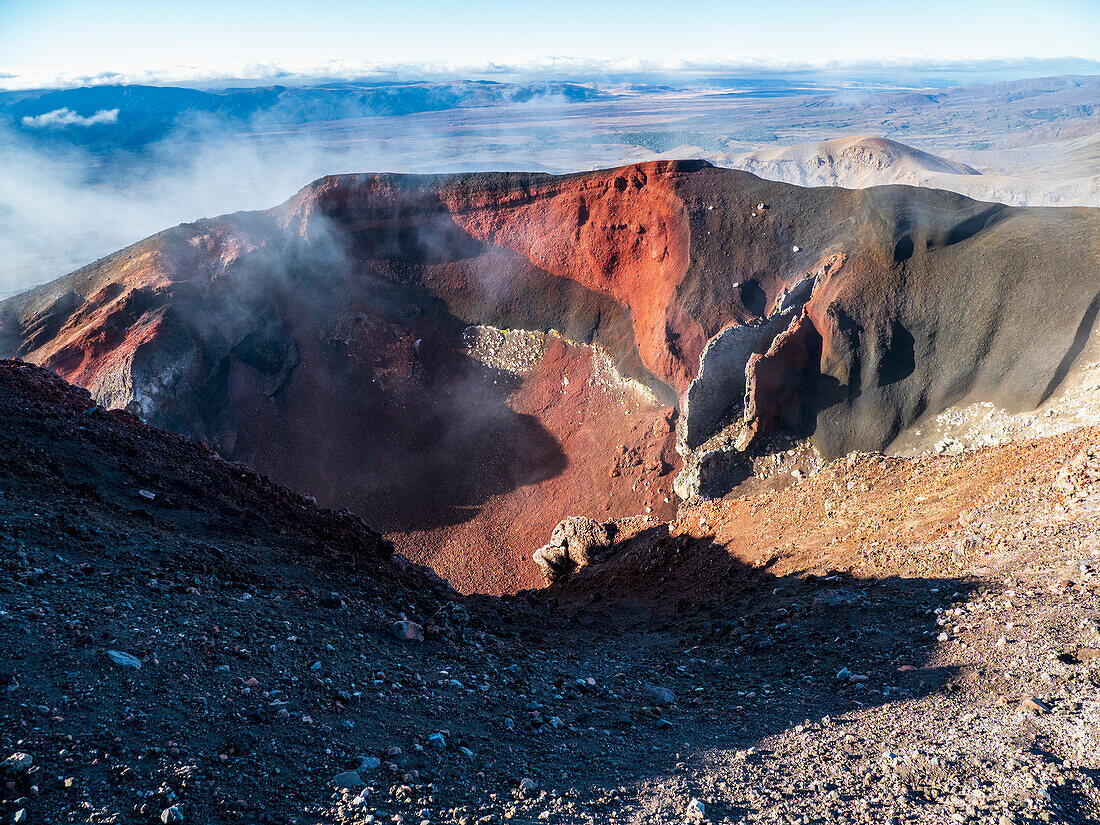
(720, 383)
(748, 384)
(724, 378)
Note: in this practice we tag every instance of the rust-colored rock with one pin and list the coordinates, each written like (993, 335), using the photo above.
(776, 382)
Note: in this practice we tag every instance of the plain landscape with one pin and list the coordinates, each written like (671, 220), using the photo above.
(75, 189)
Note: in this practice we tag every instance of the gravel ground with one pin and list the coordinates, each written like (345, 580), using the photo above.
(833, 665)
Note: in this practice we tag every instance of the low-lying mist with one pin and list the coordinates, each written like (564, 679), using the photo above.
(79, 183)
(61, 210)
(63, 206)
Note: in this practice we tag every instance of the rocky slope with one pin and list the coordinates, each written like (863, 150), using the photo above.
(907, 640)
(328, 341)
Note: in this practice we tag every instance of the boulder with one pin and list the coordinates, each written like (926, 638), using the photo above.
(576, 542)
(658, 696)
(124, 659)
(408, 631)
(16, 765)
(347, 781)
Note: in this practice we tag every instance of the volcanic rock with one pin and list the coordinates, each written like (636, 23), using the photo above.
(408, 631)
(659, 696)
(751, 606)
(1033, 705)
(576, 542)
(348, 780)
(16, 765)
(124, 659)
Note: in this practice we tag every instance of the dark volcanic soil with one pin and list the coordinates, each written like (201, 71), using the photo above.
(820, 670)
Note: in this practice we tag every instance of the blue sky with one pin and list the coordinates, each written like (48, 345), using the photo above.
(204, 38)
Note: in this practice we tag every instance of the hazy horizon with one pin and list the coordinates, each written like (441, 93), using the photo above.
(94, 160)
(62, 43)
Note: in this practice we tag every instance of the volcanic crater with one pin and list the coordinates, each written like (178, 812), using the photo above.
(465, 360)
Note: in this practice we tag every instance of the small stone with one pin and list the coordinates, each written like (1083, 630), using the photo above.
(124, 659)
(408, 631)
(333, 601)
(1034, 705)
(16, 765)
(347, 781)
(469, 754)
(148, 496)
(528, 786)
(658, 695)
(695, 810)
(437, 740)
(369, 763)
(173, 814)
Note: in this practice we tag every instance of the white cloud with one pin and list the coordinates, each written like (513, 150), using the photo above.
(59, 118)
(555, 68)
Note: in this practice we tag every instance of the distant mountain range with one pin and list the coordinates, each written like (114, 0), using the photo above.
(130, 117)
(89, 170)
